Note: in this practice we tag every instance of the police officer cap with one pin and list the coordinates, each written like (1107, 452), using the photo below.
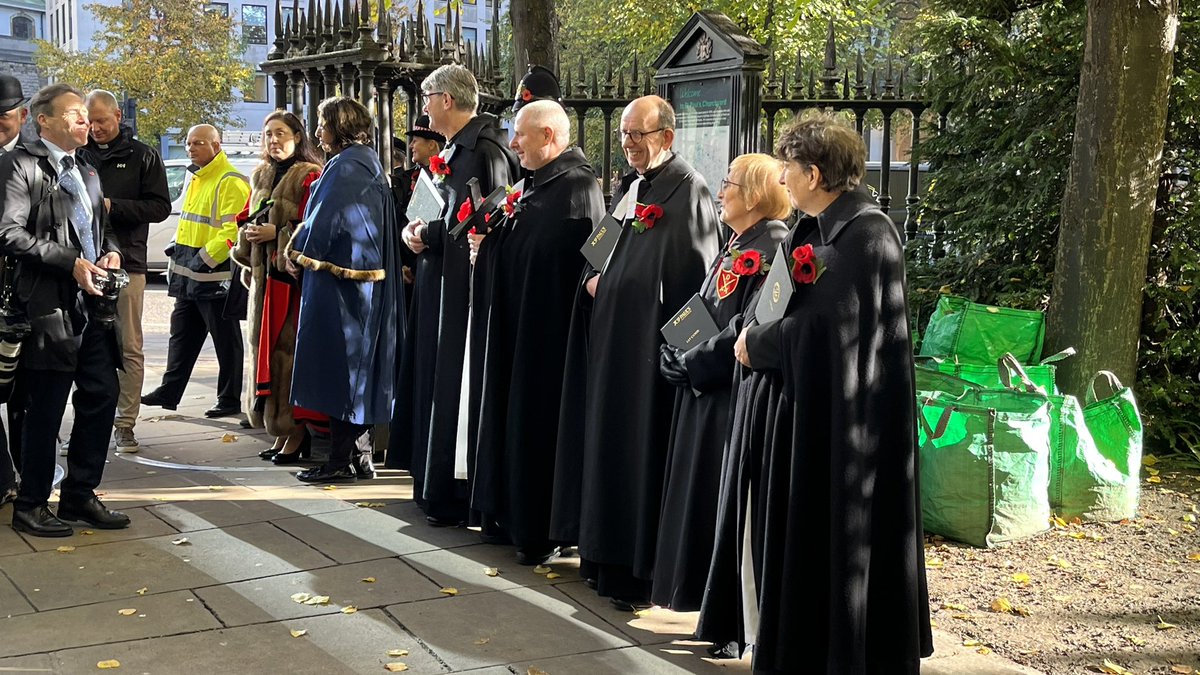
(538, 84)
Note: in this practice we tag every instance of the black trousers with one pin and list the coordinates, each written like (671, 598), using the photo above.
(191, 322)
(95, 403)
(343, 442)
(8, 471)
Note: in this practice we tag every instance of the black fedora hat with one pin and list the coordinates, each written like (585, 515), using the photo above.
(11, 95)
(420, 129)
(537, 85)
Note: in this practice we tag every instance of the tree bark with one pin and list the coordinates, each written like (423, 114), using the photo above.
(1108, 205)
(535, 35)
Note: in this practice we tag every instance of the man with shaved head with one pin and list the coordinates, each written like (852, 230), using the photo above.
(535, 269)
(135, 195)
(201, 276)
(613, 437)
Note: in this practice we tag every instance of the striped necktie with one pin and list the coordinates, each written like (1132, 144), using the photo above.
(80, 218)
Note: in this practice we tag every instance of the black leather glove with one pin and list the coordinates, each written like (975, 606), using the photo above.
(670, 365)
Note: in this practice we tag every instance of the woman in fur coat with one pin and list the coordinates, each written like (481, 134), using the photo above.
(290, 163)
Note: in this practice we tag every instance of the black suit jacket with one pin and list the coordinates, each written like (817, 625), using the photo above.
(36, 232)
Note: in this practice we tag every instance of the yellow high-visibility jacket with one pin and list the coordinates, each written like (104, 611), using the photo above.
(200, 265)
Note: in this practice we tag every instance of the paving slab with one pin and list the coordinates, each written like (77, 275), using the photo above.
(366, 534)
(118, 569)
(652, 626)
(240, 507)
(489, 629)
(660, 660)
(463, 568)
(337, 644)
(950, 657)
(142, 525)
(270, 599)
(37, 663)
(163, 487)
(11, 543)
(162, 614)
(12, 601)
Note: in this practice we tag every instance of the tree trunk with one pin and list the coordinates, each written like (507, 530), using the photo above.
(535, 35)
(1108, 206)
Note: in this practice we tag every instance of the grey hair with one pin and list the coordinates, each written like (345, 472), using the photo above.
(102, 96)
(457, 81)
(666, 114)
(548, 114)
(42, 102)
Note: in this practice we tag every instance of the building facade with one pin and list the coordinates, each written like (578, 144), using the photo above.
(22, 22)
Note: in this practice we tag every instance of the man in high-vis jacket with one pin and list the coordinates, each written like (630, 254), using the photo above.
(201, 276)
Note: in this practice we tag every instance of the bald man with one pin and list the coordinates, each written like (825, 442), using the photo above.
(616, 419)
(201, 276)
(535, 270)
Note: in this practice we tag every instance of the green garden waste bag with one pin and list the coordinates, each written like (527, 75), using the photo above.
(985, 471)
(1116, 427)
(991, 377)
(972, 333)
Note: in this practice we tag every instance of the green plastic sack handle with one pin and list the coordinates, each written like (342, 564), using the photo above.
(1069, 351)
(1007, 365)
(1111, 379)
(943, 421)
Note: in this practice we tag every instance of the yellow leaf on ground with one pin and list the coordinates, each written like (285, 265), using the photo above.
(368, 580)
(553, 575)
(1153, 479)
(298, 633)
(961, 608)
(108, 665)
(142, 590)
(1149, 460)
(394, 667)
(1189, 518)
(483, 641)
(542, 569)
(984, 650)
(1020, 578)
(1002, 605)
(934, 563)
(65, 549)
(972, 643)
(1173, 533)
(349, 609)
(1163, 625)
(1113, 669)
(1134, 640)
(329, 487)
(1194, 557)
(491, 571)
(317, 600)
(450, 590)
(300, 597)
(126, 612)
(1058, 522)
(1184, 670)
(1152, 472)
(228, 438)
(87, 533)
(397, 652)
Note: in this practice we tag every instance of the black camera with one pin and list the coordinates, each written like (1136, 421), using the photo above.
(103, 308)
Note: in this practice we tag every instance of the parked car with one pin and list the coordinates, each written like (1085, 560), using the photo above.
(163, 233)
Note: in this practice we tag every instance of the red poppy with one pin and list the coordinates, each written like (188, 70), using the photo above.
(645, 216)
(748, 263)
(802, 254)
(526, 95)
(465, 209)
(805, 272)
(510, 203)
(438, 166)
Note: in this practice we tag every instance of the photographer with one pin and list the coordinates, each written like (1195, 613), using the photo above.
(54, 227)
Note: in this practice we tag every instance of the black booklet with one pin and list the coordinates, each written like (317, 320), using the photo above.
(602, 242)
(483, 207)
(691, 325)
(776, 291)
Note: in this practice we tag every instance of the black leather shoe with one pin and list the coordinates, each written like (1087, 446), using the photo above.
(40, 522)
(535, 556)
(590, 583)
(93, 513)
(363, 468)
(434, 521)
(222, 410)
(327, 474)
(629, 605)
(268, 454)
(728, 650)
(285, 458)
(156, 398)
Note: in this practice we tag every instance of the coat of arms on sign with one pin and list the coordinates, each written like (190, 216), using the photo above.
(704, 47)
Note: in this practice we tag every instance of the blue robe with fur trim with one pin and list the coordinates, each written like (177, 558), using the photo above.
(346, 336)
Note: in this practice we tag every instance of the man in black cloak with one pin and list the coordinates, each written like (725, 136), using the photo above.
(476, 149)
(535, 266)
(612, 450)
(836, 497)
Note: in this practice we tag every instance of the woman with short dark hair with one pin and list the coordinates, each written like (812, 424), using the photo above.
(346, 339)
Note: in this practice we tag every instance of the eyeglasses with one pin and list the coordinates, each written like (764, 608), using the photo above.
(430, 94)
(725, 183)
(637, 136)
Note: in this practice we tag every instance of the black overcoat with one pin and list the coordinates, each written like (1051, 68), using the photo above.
(618, 464)
(480, 151)
(700, 426)
(535, 265)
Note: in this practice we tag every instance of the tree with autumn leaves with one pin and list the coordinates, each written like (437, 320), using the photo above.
(181, 63)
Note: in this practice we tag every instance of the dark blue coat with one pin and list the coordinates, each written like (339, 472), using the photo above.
(347, 332)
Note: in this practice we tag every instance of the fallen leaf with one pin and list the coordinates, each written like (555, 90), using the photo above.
(1113, 669)
(349, 609)
(228, 438)
(317, 600)
(1020, 578)
(1185, 670)
(1173, 533)
(1152, 472)
(972, 643)
(397, 652)
(1163, 625)
(1194, 557)
(126, 612)
(65, 549)
(142, 590)
(108, 665)
(331, 487)
(983, 650)
(960, 608)
(450, 590)
(491, 571)
(368, 580)
(87, 533)
(1002, 605)
(395, 667)
(300, 597)
(1153, 479)
(1058, 522)
(1149, 460)
(1137, 641)
(180, 541)
(1189, 518)
(298, 633)
(934, 563)
(542, 569)
(483, 641)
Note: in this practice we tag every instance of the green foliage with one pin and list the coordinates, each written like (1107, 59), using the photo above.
(181, 63)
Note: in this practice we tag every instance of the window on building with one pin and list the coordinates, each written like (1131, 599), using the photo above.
(22, 28)
(470, 35)
(70, 21)
(221, 8)
(287, 16)
(262, 89)
(254, 24)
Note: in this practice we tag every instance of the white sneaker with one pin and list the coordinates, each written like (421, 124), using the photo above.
(125, 440)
